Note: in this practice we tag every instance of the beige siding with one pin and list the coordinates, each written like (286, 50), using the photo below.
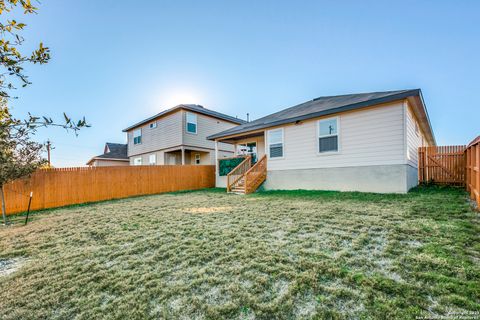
(109, 163)
(373, 136)
(168, 133)
(207, 157)
(206, 126)
(415, 138)
(146, 158)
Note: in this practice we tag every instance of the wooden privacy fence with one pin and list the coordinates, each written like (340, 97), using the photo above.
(442, 165)
(473, 170)
(65, 186)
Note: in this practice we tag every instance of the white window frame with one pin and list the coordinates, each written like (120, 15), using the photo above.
(154, 156)
(328, 135)
(197, 157)
(152, 125)
(187, 122)
(283, 144)
(137, 163)
(135, 136)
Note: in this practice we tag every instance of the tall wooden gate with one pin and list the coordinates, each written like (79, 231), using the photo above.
(442, 164)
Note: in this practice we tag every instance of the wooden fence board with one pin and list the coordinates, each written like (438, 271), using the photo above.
(442, 165)
(65, 186)
(473, 170)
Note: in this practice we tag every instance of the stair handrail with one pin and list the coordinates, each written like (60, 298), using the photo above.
(261, 165)
(239, 171)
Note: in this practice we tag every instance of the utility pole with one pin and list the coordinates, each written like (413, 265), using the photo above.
(49, 146)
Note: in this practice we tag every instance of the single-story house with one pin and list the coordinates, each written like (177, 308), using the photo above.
(114, 154)
(356, 142)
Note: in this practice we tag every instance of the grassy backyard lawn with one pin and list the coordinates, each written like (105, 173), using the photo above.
(212, 255)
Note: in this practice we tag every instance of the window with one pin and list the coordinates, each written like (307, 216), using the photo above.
(191, 123)
(197, 158)
(249, 148)
(137, 161)
(328, 135)
(153, 125)
(152, 159)
(275, 143)
(137, 136)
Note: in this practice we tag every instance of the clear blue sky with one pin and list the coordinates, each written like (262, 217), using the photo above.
(117, 62)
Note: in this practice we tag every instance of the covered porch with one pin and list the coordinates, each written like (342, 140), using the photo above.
(188, 156)
(251, 172)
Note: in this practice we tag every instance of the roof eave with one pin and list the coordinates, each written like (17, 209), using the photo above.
(359, 105)
(181, 107)
(107, 159)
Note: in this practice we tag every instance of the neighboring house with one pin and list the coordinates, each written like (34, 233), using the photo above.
(114, 154)
(357, 142)
(179, 136)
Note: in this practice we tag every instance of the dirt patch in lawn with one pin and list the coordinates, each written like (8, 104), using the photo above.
(208, 209)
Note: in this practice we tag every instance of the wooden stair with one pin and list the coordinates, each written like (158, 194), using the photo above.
(245, 179)
(239, 186)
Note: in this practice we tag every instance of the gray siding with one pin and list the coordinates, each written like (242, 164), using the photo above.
(206, 126)
(170, 133)
(167, 134)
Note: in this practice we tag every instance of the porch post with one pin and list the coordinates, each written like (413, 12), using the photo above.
(183, 156)
(216, 158)
(265, 142)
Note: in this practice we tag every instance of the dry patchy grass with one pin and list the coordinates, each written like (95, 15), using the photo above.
(209, 255)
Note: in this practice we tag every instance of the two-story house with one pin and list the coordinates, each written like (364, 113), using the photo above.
(179, 136)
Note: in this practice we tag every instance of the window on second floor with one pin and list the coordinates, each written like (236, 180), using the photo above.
(137, 136)
(153, 125)
(191, 126)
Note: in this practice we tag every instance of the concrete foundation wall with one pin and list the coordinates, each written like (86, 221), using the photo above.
(412, 177)
(381, 179)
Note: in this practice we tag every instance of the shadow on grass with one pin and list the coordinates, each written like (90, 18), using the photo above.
(421, 191)
(15, 216)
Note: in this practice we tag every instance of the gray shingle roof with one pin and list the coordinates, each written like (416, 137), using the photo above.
(116, 151)
(190, 107)
(319, 107)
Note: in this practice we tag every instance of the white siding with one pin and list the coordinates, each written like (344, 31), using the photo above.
(414, 139)
(168, 133)
(373, 136)
(206, 126)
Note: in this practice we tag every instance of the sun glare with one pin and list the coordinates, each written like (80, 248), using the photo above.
(173, 98)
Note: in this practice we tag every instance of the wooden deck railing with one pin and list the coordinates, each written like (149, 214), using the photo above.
(472, 180)
(255, 176)
(237, 173)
